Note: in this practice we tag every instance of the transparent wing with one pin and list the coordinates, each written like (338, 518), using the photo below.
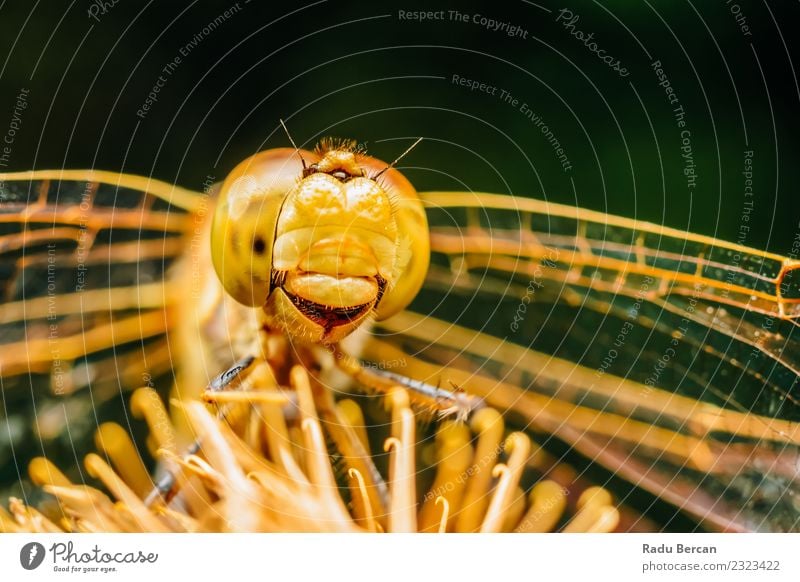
(84, 259)
(668, 358)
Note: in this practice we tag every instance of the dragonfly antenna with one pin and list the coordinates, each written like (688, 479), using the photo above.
(400, 157)
(294, 145)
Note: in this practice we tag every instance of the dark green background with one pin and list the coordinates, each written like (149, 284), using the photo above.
(357, 70)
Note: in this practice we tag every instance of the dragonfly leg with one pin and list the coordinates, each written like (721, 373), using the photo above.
(164, 488)
(424, 396)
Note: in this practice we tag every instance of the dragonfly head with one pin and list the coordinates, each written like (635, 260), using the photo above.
(317, 243)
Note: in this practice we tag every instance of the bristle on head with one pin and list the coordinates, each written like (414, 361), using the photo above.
(328, 144)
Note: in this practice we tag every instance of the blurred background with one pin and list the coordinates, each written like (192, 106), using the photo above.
(650, 110)
(375, 72)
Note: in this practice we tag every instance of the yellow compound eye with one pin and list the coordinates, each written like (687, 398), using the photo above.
(243, 231)
(413, 239)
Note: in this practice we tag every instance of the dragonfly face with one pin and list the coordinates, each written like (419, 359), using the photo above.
(320, 247)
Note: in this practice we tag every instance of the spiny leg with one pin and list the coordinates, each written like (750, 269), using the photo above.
(423, 396)
(165, 485)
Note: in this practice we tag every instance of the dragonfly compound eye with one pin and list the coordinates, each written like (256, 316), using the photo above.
(320, 254)
(243, 230)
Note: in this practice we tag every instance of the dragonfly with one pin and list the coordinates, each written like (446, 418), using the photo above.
(658, 358)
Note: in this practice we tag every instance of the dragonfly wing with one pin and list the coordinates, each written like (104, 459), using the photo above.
(669, 358)
(86, 296)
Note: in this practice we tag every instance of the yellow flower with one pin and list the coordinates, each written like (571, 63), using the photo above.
(267, 467)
